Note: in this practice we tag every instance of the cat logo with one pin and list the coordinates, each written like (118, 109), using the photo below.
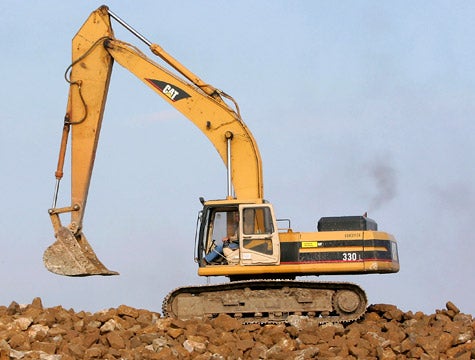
(172, 92)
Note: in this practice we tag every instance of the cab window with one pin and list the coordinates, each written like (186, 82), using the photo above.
(258, 226)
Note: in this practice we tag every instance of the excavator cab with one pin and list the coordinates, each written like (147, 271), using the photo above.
(238, 234)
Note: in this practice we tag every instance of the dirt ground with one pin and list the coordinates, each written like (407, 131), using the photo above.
(384, 332)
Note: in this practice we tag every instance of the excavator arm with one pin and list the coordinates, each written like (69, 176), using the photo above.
(94, 50)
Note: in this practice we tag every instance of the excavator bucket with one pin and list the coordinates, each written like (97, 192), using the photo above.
(73, 256)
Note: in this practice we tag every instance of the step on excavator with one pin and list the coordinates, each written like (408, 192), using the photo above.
(237, 237)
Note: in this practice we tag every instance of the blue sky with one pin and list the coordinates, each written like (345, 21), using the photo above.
(356, 106)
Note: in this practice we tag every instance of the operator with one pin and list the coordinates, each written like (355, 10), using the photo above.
(230, 242)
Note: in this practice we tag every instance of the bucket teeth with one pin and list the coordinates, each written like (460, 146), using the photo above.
(73, 256)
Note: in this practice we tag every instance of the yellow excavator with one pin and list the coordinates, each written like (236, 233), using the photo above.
(237, 237)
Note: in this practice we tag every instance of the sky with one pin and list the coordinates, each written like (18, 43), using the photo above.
(355, 106)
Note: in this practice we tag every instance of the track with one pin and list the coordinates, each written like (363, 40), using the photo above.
(268, 301)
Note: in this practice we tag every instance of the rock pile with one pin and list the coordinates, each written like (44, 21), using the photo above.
(385, 332)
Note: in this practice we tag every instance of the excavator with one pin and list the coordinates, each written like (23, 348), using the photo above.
(239, 236)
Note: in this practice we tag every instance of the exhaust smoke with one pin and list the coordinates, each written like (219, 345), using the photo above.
(384, 177)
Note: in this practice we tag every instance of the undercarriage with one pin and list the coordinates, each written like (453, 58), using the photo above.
(268, 301)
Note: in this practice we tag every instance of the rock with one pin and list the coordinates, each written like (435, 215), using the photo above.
(385, 332)
(258, 351)
(194, 346)
(309, 339)
(450, 306)
(90, 337)
(19, 341)
(115, 340)
(174, 332)
(325, 334)
(13, 308)
(226, 323)
(37, 303)
(46, 347)
(94, 352)
(124, 310)
(109, 325)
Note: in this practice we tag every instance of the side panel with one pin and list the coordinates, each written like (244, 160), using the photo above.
(332, 247)
(380, 251)
(341, 251)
